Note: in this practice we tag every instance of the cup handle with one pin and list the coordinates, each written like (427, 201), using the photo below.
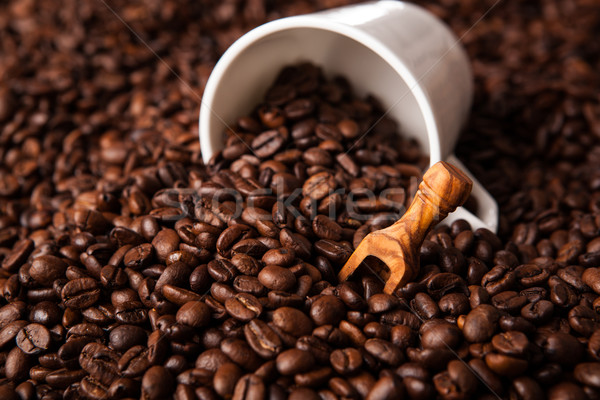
(487, 208)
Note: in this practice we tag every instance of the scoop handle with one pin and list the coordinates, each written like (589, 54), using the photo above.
(443, 189)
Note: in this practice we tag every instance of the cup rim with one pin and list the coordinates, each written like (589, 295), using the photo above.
(315, 21)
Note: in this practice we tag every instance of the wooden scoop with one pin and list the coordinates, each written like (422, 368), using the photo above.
(444, 188)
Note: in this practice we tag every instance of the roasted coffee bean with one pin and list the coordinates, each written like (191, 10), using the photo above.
(281, 256)
(499, 279)
(588, 374)
(439, 334)
(139, 257)
(508, 301)
(512, 343)
(240, 353)
(481, 323)
(80, 293)
(249, 387)
(91, 388)
(505, 365)
(64, 377)
(225, 379)
(278, 278)
(384, 351)
(292, 321)
(249, 284)
(561, 348)
(456, 304)
(317, 347)
(538, 312)
(526, 388)
(263, 340)
(46, 268)
(243, 307)
(34, 339)
(124, 337)
(177, 295)
(10, 331)
(319, 185)
(591, 277)
(443, 283)
(221, 270)
(566, 390)
(100, 362)
(267, 143)
(424, 305)
(346, 361)
(294, 361)
(327, 310)
(16, 365)
(509, 323)
(134, 362)
(157, 383)
(123, 387)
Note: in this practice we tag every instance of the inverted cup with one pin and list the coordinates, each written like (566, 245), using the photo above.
(399, 52)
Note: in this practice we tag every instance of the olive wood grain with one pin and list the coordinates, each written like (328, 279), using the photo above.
(444, 188)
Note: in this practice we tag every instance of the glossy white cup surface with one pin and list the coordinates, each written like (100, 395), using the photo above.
(398, 52)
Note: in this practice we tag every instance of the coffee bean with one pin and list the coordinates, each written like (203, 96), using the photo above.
(263, 340)
(346, 361)
(333, 251)
(562, 348)
(526, 388)
(18, 255)
(244, 307)
(319, 185)
(10, 331)
(566, 390)
(317, 347)
(591, 277)
(294, 361)
(178, 295)
(440, 334)
(139, 257)
(16, 365)
(384, 351)
(240, 353)
(325, 228)
(100, 362)
(298, 243)
(249, 387)
(80, 293)
(221, 270)
(480, 324)
(64, 377)
(505, 365)
(134, 362)
(275, 277)
(588, 374)
(195, 314)
(327, 310)
(157, 383)
(34, 339)
(292, 321)
(46, 268)
(268, 142)
(124, 337)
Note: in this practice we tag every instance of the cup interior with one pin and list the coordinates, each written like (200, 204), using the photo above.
(249, 67)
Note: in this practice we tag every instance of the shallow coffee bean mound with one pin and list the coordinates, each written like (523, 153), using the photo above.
(129, 269)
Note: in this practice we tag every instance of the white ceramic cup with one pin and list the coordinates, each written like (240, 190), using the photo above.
(398, 52)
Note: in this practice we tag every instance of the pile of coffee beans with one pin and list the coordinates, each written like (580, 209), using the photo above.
(129, 269)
